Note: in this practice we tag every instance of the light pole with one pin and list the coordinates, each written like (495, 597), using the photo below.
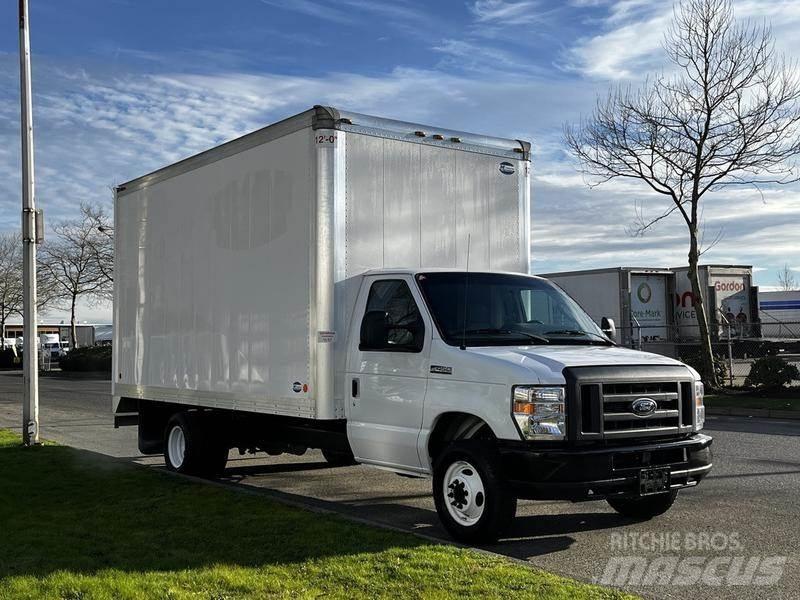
(30, 376)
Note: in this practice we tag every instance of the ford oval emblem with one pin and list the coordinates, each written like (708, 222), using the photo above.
(506, 168)
(644, 406)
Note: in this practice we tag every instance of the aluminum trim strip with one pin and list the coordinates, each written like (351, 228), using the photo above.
(636, 396)
(393, 128)
(626, 416)
(296, 407)
(690, 472)
(359, 123)
(235, 146)
(427, 141)
(649, 431)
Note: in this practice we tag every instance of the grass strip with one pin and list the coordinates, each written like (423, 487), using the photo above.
(78, 525)
(746, 401)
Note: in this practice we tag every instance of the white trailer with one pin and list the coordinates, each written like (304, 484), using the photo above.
(779, 313)
(729, 297)
(359, 285)
(639, 299)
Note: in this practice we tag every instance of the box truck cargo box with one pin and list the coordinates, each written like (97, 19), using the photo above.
(233, 265)
(360, 285)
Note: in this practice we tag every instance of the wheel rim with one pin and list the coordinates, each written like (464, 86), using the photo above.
(464, 493)
(176, 446)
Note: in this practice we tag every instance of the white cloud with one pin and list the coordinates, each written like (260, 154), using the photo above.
(464, 55)
(633, 31)
(523, 11)
(631, 43)
(312, 9)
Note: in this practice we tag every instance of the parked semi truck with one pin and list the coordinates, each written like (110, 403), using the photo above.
(360, 285)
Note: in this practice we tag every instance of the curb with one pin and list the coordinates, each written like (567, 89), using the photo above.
(766, 413)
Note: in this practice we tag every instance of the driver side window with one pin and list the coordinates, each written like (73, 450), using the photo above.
(392, 321)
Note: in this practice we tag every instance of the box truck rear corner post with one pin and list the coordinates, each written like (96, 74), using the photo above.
(360, 285)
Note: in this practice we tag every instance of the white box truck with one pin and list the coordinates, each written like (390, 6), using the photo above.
(360, 285)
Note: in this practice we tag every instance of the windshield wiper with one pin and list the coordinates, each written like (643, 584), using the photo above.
(580, 332)
(498, 331)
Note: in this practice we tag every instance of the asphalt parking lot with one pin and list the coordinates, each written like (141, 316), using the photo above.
(741, 525)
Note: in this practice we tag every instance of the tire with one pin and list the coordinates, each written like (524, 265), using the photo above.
(471, 498)
(337, 458)
(644, 508)
(191, 446)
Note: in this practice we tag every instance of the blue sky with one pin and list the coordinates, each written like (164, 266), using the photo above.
(123, 87)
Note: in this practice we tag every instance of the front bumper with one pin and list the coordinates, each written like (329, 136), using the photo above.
(601, 471)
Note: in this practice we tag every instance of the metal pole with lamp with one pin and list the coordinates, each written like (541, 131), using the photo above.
(31, 234)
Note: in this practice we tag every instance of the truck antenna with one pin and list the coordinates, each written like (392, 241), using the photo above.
(466, 289)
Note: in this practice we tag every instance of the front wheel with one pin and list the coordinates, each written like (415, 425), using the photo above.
(471, 498)
(645, 507)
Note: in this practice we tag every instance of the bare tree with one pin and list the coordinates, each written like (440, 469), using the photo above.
(10, 280)
(70, 266)
(725, 115)
(11, 298)
(101, 245)
(786, 279)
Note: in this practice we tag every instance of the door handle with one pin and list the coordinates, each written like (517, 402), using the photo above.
(354, 387)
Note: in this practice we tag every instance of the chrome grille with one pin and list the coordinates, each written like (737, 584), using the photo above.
(619, 420)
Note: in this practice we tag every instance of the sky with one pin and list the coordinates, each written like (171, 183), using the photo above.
(122, 87)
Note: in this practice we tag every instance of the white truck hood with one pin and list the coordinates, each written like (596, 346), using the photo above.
(548, 362)
(575, 356)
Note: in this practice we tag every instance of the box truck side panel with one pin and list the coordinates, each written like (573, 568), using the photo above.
(215, 272)
(416, 206)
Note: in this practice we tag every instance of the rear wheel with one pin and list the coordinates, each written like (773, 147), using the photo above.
(192, 447)
(645, 507)
(471, 498)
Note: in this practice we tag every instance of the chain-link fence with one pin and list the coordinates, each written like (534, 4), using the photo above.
(736, 345)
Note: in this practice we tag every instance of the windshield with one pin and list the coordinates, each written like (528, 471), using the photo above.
(505, 310)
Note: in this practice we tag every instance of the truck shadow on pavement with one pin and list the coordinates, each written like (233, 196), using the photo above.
(529, 535)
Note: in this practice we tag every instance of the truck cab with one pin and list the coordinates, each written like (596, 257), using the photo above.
(499, 386)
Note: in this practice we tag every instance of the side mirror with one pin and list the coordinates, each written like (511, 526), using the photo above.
(374, 330)
(608, 327)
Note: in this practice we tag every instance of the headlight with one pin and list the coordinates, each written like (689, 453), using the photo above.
(700, 409)
(539, 412)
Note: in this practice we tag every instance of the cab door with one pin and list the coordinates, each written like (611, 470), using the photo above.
(387, 373)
